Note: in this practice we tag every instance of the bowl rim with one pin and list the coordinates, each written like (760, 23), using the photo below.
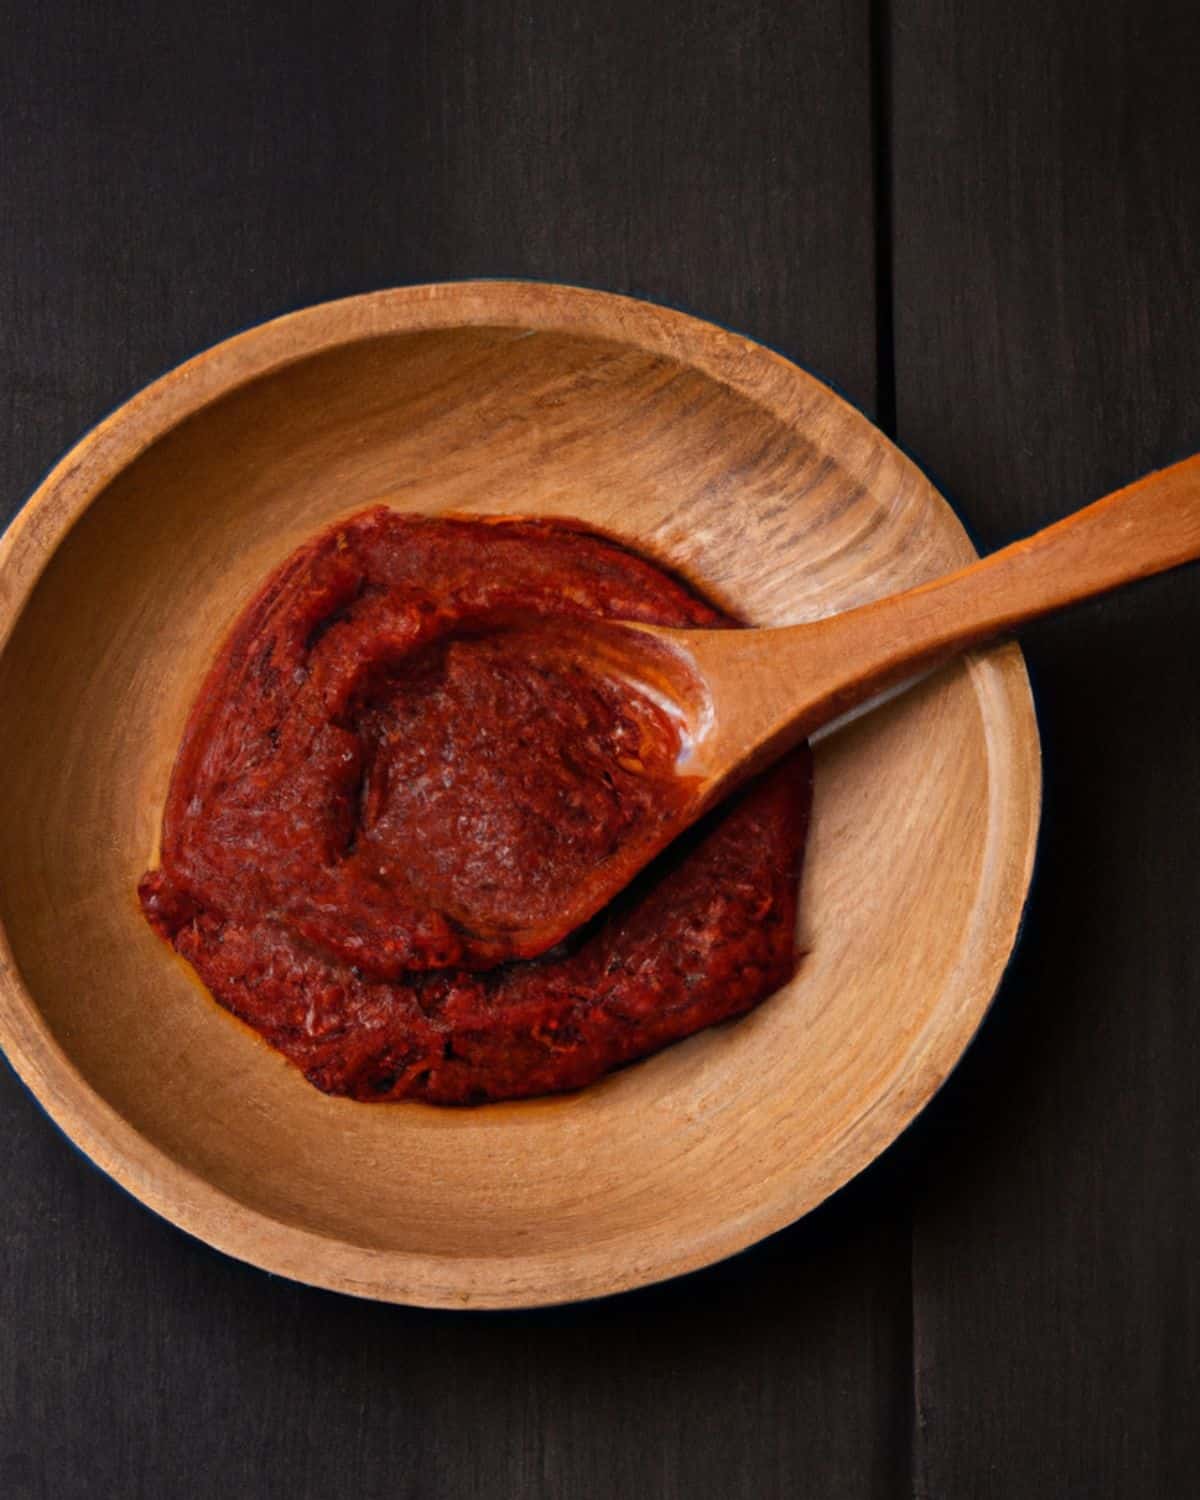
(147, 1171)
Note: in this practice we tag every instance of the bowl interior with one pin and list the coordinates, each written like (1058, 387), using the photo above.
(723, 461)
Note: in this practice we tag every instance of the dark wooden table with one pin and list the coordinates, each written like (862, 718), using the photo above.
(980, 221)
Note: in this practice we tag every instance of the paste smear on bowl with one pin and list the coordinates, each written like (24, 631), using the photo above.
(395, 769)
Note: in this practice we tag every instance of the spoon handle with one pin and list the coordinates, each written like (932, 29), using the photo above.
(805, 676)
(1147, 527)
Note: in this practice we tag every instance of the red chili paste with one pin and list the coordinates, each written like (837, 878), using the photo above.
(396, 768)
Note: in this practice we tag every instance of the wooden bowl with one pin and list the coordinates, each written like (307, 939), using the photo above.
(120, 577)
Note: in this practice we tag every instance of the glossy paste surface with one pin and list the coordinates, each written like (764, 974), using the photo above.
(396, 768)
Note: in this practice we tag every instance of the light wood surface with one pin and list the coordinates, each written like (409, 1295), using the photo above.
(765, 690)
(744, 698)
(709, 453)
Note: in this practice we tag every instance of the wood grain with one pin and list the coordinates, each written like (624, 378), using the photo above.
(126, 570)
(1048, 347)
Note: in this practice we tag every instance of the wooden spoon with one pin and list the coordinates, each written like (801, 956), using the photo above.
(746, 696)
